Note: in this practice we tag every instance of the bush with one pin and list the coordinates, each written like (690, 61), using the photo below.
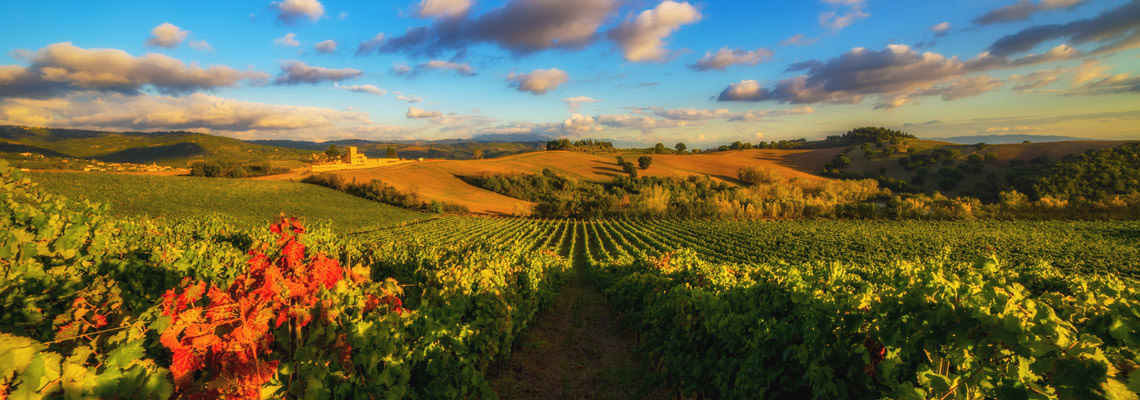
(757, 175)
(644, 162)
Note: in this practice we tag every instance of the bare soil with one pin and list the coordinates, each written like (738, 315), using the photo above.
(578, 349)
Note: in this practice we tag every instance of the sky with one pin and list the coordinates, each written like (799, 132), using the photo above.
(637, 71)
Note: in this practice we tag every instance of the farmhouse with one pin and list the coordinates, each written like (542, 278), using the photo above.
(352, 157)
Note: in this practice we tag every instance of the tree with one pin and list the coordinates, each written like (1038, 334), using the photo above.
(629, 169)
(478, 154)
(391, 152)
(644, 162)
(659, 148)
(680, 148)
(332, 151)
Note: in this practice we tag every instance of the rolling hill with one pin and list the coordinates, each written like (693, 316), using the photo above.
(446, 149)
(441, 180)
(164, 148)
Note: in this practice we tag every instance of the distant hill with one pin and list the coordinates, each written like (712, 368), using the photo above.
(1006, 139)
(450, 149)
(165, 148)
(512, 137)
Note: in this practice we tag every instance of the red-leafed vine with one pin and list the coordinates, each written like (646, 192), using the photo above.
(222, 339)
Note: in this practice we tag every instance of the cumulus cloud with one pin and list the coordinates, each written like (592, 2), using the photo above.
(419, 113)
(726, 57)
(896, 74)
(1023, 10)
(63, 67)
(293, 11)
(519, 26)
(326, 47)
(296, 73)
(166, 35)
(798, 40)
(463, 69)
(443, 8)
(538, 81)
(578, 124)
(195, 112)
(643, 38)
(940, 29)
(367, 89)
(370, 45)
(852, 75)
(289, 40)
(574, 104)
(842, 14)
(1114, 30)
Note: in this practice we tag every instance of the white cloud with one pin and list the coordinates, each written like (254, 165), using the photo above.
(63, 67)
(538, 81)
(896, 75)
(419, 113)
(726, 57)
(408, 98)
(293, 11)
(289, 40)
(940, 29)
(295, 73)
(433, 65)
(574, 104)
(166, 35)
(643, 38)
(842, 14)
(443, 8)
(326, 47)
(368, 89)
(197, 112)
(578, 124)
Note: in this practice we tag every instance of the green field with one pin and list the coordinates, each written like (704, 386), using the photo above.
(461, 307)
(1088, 246)
(249, 202)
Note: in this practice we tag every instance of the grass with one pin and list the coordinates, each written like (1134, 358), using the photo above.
(246, 201)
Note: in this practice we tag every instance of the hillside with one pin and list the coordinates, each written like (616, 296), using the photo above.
(1006, 139)
(247, 202)
(164, 148)
(440, 180)
(957, 169)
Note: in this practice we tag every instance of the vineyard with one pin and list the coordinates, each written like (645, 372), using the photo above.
(100, 306)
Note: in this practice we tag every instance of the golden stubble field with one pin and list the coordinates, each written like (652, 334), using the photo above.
(440, 179)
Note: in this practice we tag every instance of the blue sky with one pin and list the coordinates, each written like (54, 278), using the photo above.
(638, 71)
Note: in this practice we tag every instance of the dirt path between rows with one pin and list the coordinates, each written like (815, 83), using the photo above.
(577, 349)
